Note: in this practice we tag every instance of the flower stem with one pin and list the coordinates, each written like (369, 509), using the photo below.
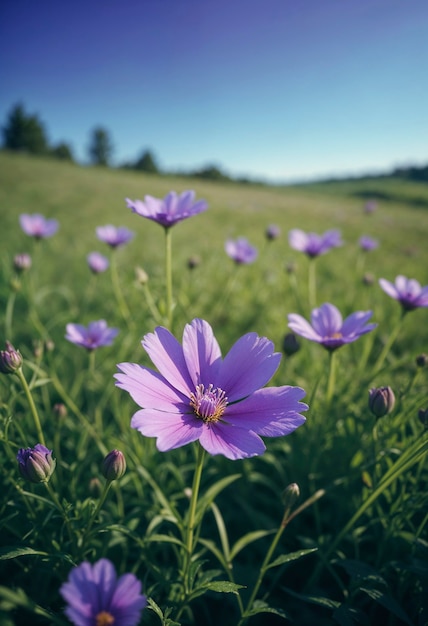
(123, 308)
(33, 409)
(387, 347)
(9, 315)
(331, 376)
(95, 513)
(312, 284)
(168, 275)
(60, 508)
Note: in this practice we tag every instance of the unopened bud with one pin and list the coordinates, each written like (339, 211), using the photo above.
(290, 345)
(193, 261)
(290, 495)
(423, 417)
(381, 401)
(290, 267)
(22, 262)
(95, 487)
(10, 359)
(36, 464)
(60, 410)
(368, 279)
(141, 276)
(114, 465)
(422, 360)
(272, 232)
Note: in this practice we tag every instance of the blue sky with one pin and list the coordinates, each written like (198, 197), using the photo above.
(274, 89)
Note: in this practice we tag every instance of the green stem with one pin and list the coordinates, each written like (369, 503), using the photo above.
(331, 376)
(386, 348)
(123, 308)
(9, 315)
(91, 363)
(168, 275)
(95, 513)
(60, 508)
(33, 409)
(312, 284)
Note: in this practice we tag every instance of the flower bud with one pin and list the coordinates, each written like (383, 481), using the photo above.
(423, 417)
(422, 360)
(291, 267)
(368, 279)
(36, 464)
(114, 465)
(141, 276)
(193, 261)
(59, 410)
(381, 401)
(290, 495)
(290, 345)
(10, 359)
(22, 262)
(272, 232)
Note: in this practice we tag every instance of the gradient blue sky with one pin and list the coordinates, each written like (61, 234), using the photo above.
(275, 89)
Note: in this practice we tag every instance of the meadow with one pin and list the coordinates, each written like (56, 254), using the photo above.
(328, 525)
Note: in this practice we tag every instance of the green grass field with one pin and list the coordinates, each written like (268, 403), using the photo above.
(362, 482)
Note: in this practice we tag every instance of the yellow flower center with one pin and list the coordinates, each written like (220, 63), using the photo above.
(208, 404)
(104, 619)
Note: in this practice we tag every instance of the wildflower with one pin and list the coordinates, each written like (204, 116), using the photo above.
(407, 291)
(272, 232)
(22, 262)
(368, 243)
(95, 596)
(381, 401)
(36, 464)
(198, 395)
(96, 335)
(169, 210)
(312, 244)
(113, 236)
(114, 465)
(97, 262)
(240, 251)
(328, 329)
(10, 359)
(37, 226)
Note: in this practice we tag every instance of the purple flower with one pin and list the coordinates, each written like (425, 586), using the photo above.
(368, 243)
(37, 226)
(97, 262)
(113, 236)
(10, 359)
(329, 329)
(169, 210)
(95, 596)
(96, 335)
(22, 262)
(198, 395)
(370, 206)
(312, 244)
(240, 250)
(407, 291)
(272, 232)
(36, 464)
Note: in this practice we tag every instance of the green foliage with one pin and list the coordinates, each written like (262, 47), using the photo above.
(100, 147)
(352, 550)
(62, 151)
(24, 133)
(146, 163)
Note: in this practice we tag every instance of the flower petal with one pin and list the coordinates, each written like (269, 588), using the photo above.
(354, 323)
(326, 320)
(299, 325)
(230, 441)
(271, 412)
(148, 388)
(167, 354)
(389, 288)
(201, 352)
(172, 430)
(249, 365)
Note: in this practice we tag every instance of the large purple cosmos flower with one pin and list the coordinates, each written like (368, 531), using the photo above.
(37, 226)
(329, 329)
(95, 596)
(96, 335)
(169, 210)
(97, 262)
(113, 236)
(312, 244)
(198, 395)
(407, 291)
(240, 250)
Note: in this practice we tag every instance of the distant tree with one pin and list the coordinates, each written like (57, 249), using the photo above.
(211, 172)
(24, 132)
(100, 147)
(62, 151)
(147, 163)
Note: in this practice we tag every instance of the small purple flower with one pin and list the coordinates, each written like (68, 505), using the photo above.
(312, 244)
(169, 210)
(368, 243)
(97, 262)
(113, 236)
(22, 262)
(240, 250)
(36, 464)
(96, 335)
(370, 206)
(37, 226)
(198, 395)
(272, 232)
(95, 596)
(407, 291)
(329, 329)
(10, 359)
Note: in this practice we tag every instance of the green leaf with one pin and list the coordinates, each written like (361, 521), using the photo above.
(292, 556)
(223, 586)
(247, 539)
(212, 493)
(318, 600)
(164, 539)
(261, 607)
(11, 552)
(388, 602)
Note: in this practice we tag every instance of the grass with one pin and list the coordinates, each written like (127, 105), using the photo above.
(361, 515)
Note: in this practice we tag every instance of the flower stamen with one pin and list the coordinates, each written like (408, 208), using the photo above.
(208, 404)
(104, 619)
